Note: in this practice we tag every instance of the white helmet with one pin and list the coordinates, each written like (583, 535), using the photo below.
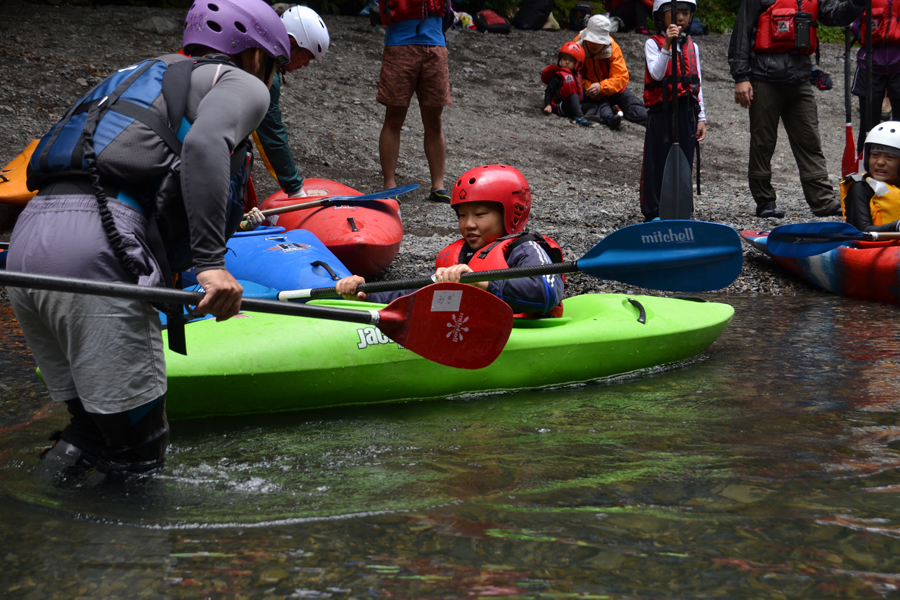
(664, 5)
(884, 137)
(308, 30)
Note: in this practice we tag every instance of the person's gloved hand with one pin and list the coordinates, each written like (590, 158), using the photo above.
(820, 79)
(254, 219)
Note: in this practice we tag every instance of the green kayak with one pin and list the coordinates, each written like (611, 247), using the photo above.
(262, 363)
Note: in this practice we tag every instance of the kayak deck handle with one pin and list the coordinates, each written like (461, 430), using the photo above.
(324, 265)
(353, 226)
(642, 318)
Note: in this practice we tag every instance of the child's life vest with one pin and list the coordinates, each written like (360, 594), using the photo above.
(687, 70)
(395, 11)
(884, 204)
(885, 23)
(127, 132)
(788, 26)
(493, 257)
(571, 83)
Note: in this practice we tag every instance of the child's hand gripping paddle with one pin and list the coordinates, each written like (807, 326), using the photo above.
(811, 239)
(449, 323)
(680, 256)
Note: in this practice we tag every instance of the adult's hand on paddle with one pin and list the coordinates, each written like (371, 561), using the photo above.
(743, 93)
(452, 274)
(253, 219)
(346, 287)
(700, 134)
(223, 294)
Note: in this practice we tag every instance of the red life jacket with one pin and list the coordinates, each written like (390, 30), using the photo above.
(395, 11)
(688, 74)
(776, 29)
(571, 83)
(493, 257)
(885, 23)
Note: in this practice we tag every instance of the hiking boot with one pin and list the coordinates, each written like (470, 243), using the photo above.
(615, 120)
(440, 195)
(770, 211)
(834, 211)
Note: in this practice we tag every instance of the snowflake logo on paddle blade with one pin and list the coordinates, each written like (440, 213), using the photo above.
(457, 327)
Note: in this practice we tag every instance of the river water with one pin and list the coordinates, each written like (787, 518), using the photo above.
(768, 467)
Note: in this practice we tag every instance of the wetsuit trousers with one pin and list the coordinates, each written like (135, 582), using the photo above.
(795, 107)
(657, 144)
(570, 107)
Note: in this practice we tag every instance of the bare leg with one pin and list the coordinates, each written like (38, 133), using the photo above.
(389, 143)
(435, 144)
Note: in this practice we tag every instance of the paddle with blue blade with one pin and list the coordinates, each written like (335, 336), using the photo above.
(811, 239)
(448, 323)
(678, 256)
(383, 194)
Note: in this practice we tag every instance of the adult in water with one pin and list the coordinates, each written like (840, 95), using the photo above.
(103, 357)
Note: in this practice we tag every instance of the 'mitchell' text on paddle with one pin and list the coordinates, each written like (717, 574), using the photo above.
(659, 237)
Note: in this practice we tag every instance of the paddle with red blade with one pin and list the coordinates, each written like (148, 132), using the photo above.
(848, 161)
(448, 323)
(679, 256)
(811, 239)
(383, 194)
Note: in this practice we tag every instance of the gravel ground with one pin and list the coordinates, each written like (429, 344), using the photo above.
(584, 181)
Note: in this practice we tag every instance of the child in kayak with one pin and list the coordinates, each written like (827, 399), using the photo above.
(492, 205)
(662, 51)
(563, 93)
(871, 202)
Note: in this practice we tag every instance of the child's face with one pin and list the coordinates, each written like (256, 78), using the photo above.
(884, 166)
(682, 17)
(567, 62)
(480, 223)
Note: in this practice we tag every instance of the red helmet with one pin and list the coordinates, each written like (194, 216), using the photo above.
(574, 50)
(496, 183)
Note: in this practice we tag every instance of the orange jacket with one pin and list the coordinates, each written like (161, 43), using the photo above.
(611, 73)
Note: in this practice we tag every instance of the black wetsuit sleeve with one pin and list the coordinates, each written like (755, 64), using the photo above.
(274, 138)
(532, 295)
(551, 89)
(836, 13)
(859, 214)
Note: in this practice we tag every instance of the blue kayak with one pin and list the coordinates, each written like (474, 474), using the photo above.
(281, 260)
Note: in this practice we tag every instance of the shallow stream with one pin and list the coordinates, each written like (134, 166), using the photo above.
(768, 467)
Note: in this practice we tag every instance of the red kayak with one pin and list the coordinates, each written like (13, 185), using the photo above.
(365, 236)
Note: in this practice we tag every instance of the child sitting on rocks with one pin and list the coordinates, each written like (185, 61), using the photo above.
(564, 89)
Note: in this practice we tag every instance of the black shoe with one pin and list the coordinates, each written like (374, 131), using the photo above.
(615, 121)
(834, 211)
(439, 196)
(770, 212)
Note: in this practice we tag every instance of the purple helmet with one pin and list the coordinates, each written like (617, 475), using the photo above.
(232, 26)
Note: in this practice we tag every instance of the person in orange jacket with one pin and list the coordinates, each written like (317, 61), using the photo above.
(605, 78)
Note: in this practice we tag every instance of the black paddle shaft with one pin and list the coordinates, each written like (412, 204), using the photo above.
(848, 43)
(495, 275)
(870, 122)
(171, 296)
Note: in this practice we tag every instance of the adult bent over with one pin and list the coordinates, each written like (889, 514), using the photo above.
(414, 62)
(770, 64)
(172, 181)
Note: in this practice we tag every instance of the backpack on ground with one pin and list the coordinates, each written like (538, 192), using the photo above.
(532, 14)
(488, 20)
(579, 15)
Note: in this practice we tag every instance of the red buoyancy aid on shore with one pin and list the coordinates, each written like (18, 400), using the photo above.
(885, 23)
(395, 11)
(688, 74)
(571, 82)
(788, 26)
(493, 257)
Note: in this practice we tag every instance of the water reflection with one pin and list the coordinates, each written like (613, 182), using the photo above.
(769, 468)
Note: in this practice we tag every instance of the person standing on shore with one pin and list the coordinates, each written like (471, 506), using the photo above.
(414, 62)
(769, 57)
